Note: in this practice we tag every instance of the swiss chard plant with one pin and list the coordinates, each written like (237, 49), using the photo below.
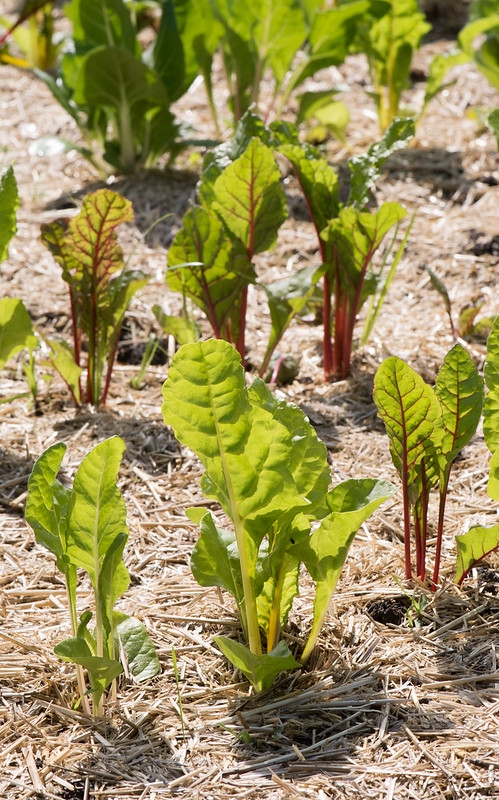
(100, 291)
(84, 527)
(349, 236)
(427, 429)
(389, 33)
(16, 329)
(33, 34)
(479, 40)
(242, 206)
(268, 470)
(119, 95)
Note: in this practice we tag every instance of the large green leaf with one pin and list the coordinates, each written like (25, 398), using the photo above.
(9, 203)
(98, 519)
(47, 503)
(16, 330)
(101, 22)
(491, 404)
(215, 557)
(261, 670)
(410, 411)
(250, 200)
(459, 389)
(318, 181)
(325, 552)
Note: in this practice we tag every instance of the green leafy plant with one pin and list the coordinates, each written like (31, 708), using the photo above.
(348, 237)
(427, 429)
(33, 34)
(269, 472)
(389, 33)
(261, 40)
(84, 527)
(479, 40)
(242, 206)
(468, 326)
(100, 291)
(119, 96)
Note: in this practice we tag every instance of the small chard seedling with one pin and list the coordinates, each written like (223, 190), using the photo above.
(427, 429)
(268, 470)
(100, 291)
(85, 528)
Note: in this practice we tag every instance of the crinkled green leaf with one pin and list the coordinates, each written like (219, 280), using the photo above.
(366, 168)
(16, 330)
(459, 389)
(410, 411)
(141, 658)
(491, 404)
(249, 198)
(9, 203)
(260, 670)
(473, 546)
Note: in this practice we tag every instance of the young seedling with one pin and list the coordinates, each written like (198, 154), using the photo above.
(84, 527)
(269, 472)
(427, 429)
(100, 291)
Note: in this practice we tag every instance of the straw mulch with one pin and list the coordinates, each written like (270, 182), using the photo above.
(383, 710)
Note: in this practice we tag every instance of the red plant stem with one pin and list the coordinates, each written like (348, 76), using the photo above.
(326, 313)
(241, 339)
(440, 532)
(407, 523)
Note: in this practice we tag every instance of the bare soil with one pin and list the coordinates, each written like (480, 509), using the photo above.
(383, 710)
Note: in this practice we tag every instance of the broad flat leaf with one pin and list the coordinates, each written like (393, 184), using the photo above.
(47, 503)
(183, 330)
(98, 515)
(459, 389)
(472, 547)
(168, 53)
(9, 203)
(101, 22)
(410, 411)
(491, 404)
(16, 330)
(245, 450)
(62, 360)
(366, 168)
(205, 265)
(486, 54)
(279, 33)
(261, 670)
(250, 199)
(215, 557)
(200, 33)
(318, 182)
(325, 552)
(141, 657)
(439, 67)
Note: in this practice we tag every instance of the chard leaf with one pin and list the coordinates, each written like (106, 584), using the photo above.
(250, 200)
(9, 203)
(318, 182)
(410, 411)
(459, 389)
(491, 404)
(62, 360)
(493, 482)
(325, 552)
(183, 330)
(47, 504)
(101, 22)
(98, 529)
(472, 547)
(200, 34)
(261, 670)
(16, 330)
(365, 169)
(168, 53)
(206, 266)
(278, 32)
(215, 557)
(138, 648)
(101, 670)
